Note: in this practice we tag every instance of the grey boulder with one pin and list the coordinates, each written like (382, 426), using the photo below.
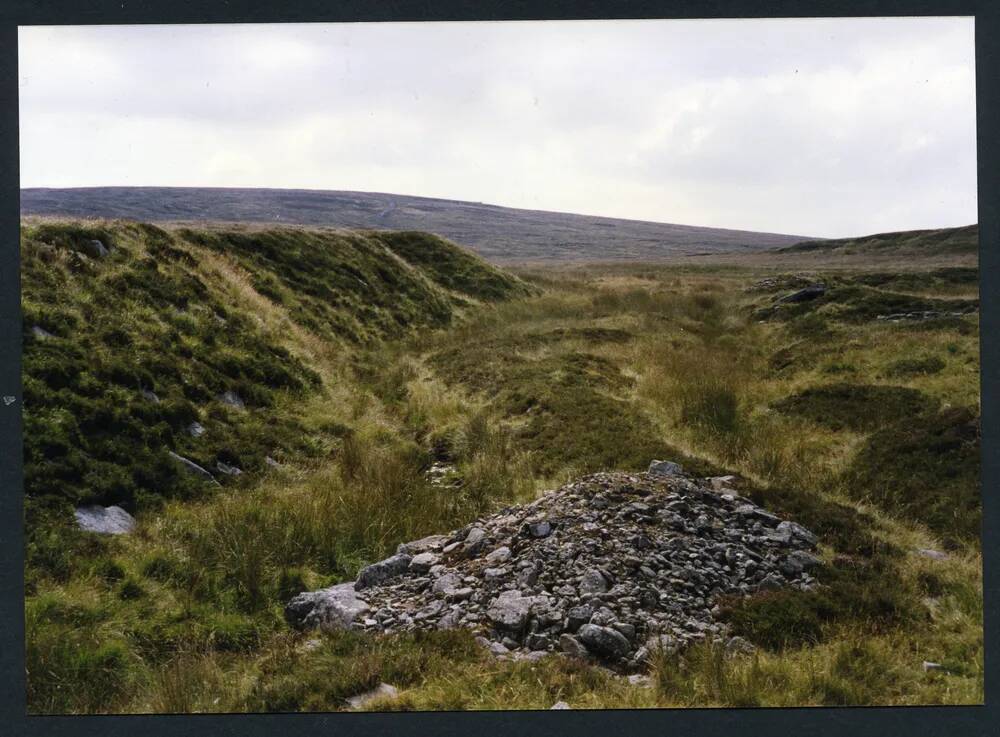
(104, 520)
(665, 468)
(604, 641)
(334, 608)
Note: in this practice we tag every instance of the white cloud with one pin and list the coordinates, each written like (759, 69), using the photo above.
(827, 126)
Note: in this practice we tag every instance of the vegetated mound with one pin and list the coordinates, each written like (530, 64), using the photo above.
(143, 344)
(942, 241)
(925, 468)
(857, 407)
(809, 308)
(496, 233)
(612, 566)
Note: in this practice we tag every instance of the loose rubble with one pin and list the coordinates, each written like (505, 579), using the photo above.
(610, 567)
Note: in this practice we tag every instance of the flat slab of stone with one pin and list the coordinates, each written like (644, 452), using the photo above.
(191, 467)
(105, 520)
(376, 573)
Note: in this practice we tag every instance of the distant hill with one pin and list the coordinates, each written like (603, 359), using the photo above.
(500, 234)
(940, 242)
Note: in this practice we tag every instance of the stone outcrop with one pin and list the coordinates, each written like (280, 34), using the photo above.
(610, 567)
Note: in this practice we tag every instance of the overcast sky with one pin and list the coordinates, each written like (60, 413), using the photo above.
(812, 127)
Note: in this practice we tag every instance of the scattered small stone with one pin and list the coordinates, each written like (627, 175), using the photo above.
(638, 679)
(196, 430)
(271, 463)
(150, 396)
(929, 666)
(560, 705)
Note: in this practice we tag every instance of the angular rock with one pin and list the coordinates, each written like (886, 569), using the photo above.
(40, 333)
(196, 430)
(604, 641)
(431, 543)
(665, 468)
(509, 611)
(799, 561)
(447, 584)
(376, 573)
(191, 467)
(572, 646)
(498, 556)
(111, 520)
(331, 609)
(422, 562)
(803, 295)
(560, 705)
(593, 582)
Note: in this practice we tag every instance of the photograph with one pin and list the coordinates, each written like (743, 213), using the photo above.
(500, 365)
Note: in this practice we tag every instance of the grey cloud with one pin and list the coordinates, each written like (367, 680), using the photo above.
(826, 127)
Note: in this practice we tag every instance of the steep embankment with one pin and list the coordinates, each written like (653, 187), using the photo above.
(496, 233)
(141, 342)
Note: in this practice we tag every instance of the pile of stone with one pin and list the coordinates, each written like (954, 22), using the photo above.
(609, 567)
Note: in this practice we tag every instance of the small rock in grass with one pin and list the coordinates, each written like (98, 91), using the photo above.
(232, 399)
(560, 705)
(94, 249)
(383, 690)
(111, 520)
(932, 554)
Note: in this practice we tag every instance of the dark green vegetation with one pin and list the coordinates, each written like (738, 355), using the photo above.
(925, 469)
(364, 358)
(857, 406)
(919, 243)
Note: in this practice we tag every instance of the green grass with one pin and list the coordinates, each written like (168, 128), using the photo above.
(366, 357)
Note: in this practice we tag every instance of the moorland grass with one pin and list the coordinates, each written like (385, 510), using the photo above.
(579, 370)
